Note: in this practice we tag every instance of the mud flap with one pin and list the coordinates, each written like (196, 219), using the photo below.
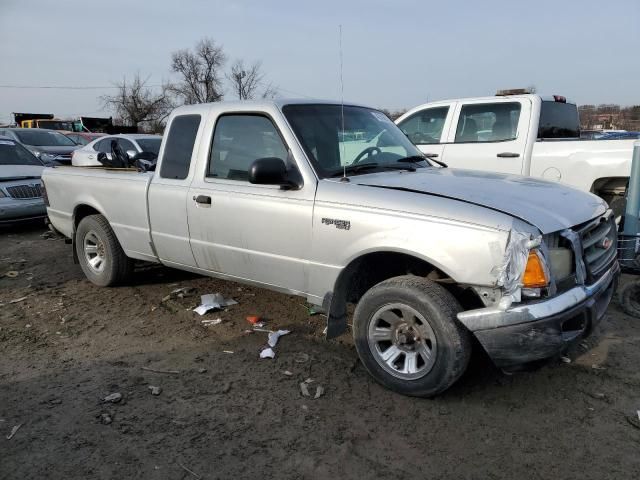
(336, 316)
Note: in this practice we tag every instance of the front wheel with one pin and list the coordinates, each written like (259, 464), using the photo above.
(408, 337)
(100, 255)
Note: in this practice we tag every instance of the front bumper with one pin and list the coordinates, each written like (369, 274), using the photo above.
(12, 210)
(536, 331)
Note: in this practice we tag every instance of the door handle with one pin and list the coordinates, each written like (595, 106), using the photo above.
(202, 199)
(508, 155)
(431, 155)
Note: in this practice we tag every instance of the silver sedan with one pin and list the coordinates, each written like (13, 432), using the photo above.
(20, 184)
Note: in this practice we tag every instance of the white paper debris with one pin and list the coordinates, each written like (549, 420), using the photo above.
(211, 301)
(274, 336)
(14, 430)
(304, 389)
(267, 353)
(207, 322)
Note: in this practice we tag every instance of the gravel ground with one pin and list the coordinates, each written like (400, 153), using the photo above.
(222, 412)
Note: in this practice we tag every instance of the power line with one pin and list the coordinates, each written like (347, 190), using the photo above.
(67, 87)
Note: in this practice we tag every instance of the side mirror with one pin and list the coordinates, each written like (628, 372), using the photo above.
(271, 171)
(131, 154)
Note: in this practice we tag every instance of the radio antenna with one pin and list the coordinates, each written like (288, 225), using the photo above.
(344, 165)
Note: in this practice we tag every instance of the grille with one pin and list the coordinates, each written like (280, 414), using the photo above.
(25, 191)
(599, 241)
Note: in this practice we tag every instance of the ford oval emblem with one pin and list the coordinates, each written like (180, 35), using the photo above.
(606, 243)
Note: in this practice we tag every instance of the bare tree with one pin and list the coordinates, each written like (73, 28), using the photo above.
(137, 103)
(200, 73)
(246, 81)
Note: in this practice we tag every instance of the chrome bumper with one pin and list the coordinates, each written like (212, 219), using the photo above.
(493, 317)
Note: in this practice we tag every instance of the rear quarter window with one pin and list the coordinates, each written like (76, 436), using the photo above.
(176, 159)
(558, 120)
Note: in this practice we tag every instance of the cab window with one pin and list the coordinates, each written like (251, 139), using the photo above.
(425, 127)
(488, 122)
(176, 159)
(238, 141)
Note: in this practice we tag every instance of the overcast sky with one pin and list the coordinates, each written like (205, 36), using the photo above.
(397, 54)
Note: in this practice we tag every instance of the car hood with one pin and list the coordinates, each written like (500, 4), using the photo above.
(548, 206)
(58, 150)
(9, 172)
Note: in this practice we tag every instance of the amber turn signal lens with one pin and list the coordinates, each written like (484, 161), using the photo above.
(534, 275)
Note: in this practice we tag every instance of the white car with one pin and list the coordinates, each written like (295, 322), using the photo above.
(133, 144)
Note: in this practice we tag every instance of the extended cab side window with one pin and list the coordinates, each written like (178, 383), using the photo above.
(425, 127)
(488, 122)
(176, 159)
(238, 141)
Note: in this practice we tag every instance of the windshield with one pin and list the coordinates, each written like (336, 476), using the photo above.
(40, 138)
(368, 137)
(12, 153)
(149, 144)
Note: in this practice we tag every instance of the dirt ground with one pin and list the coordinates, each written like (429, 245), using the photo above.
(69, 344)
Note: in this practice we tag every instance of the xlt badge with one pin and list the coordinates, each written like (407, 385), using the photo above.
(340, 224)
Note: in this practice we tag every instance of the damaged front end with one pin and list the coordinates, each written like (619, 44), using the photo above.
(549, 297)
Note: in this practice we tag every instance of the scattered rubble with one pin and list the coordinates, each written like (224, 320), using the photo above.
(213, 301)
(301, 357)
(105, 419)
(155, 390)
(274, 336)
(14, 430)
(304, 389)
(267, 353)
(154, 370)
(207, 322)
(113, 397)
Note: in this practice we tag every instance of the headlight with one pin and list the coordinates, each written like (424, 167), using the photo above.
(2, 194)
(561, 263)
(37, 153)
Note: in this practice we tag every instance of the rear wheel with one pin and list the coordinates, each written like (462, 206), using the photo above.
(408, 337)
(100, 255)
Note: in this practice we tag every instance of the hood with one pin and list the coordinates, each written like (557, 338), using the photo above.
(8, 172)
(57, 150)
(548, 206)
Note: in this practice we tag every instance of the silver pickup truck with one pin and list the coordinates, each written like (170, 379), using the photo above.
(333, 203)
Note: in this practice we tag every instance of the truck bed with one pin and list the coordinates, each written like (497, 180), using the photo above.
(118, 194)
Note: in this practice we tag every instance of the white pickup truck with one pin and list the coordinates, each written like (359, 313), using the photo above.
(334, 203)
(521, 134)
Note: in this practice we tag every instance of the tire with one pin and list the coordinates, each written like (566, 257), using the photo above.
(419, 319)
(101, 257)
(630, 298)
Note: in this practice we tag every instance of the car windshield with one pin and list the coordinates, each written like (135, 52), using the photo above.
(42, 138)
(149, 144)
(359, 137)
(12, 153)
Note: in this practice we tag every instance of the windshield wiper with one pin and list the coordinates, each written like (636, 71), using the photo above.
(419, 158)
(370, 166)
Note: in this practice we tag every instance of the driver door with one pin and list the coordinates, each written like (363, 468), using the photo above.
(260, 233)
